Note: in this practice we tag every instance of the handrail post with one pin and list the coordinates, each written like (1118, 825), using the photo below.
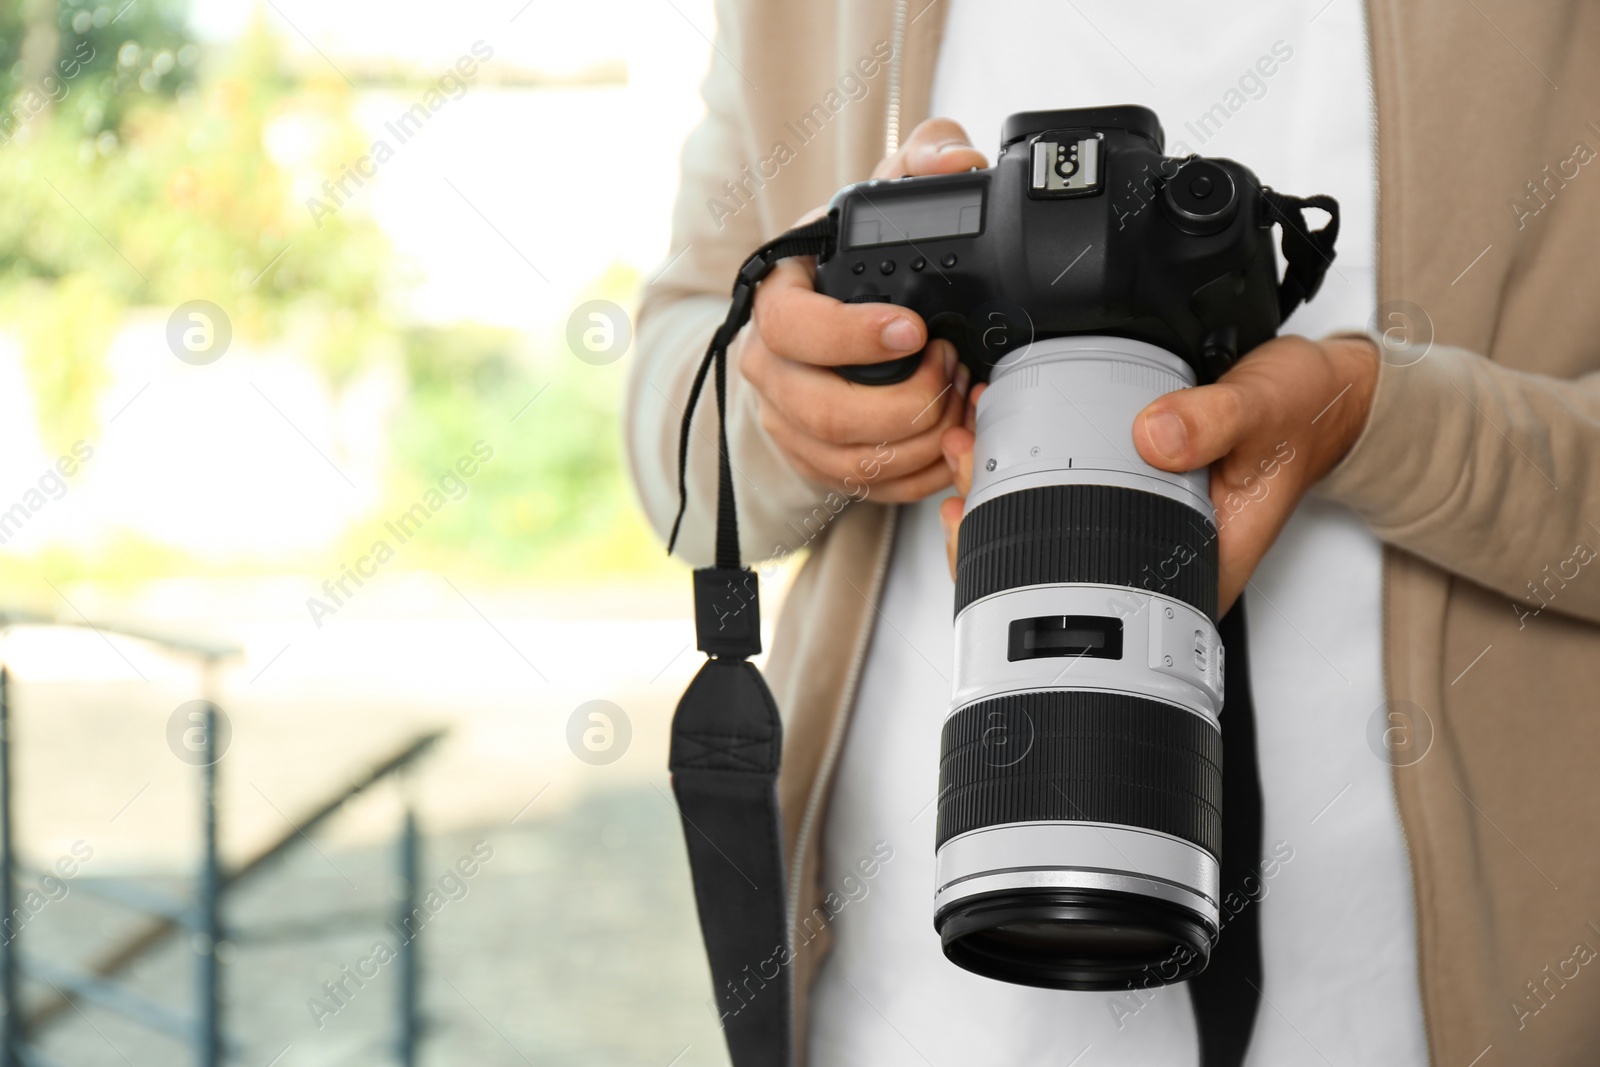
(209, 908)
(410, 966)
(15, 1035)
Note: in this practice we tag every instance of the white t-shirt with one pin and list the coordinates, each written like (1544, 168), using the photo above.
(1338, 925)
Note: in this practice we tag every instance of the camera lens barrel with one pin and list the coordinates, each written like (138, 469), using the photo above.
(1080, 782)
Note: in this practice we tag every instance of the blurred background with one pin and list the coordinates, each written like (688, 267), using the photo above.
(315, 529)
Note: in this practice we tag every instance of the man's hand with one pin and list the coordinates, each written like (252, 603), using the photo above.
(884, 436)
(1270, 428)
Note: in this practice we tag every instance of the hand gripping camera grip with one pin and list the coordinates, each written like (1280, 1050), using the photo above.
(891, 372)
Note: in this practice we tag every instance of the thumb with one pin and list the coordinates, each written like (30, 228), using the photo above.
(943, 157)
(936, 146)
(1188, 429)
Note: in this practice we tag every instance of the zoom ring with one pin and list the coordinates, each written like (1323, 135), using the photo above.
(1052, 755)
(1100, 534)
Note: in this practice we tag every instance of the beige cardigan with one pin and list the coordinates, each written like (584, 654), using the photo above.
(1479, 466)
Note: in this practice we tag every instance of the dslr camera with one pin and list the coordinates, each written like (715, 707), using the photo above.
(1083, 275)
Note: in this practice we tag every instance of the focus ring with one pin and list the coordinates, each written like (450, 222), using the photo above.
(1101, 534)
(1081, 756)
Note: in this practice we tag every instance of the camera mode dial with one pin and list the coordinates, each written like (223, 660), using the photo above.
(1201, 197)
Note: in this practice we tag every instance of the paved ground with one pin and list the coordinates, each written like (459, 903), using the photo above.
(570, 947)
(575, 944)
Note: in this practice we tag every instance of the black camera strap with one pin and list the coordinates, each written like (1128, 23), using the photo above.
(1307, 253)
(727, 738)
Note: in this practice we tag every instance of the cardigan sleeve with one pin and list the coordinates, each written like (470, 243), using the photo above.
(1488, 472)
(711, 235)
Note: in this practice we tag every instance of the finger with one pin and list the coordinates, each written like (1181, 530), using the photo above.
(950, 511)
(957, 447)
(971, 421)
(799, 323)
(1190, 428)
(884, 458)
(957, 444)
(1246, 529)
(826, 406)
(936, 146)
(909, 487)
(915, 486)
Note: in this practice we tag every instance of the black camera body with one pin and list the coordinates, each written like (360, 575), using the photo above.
(1082, 226)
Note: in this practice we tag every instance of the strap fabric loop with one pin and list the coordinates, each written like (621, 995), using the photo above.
(1307, 253)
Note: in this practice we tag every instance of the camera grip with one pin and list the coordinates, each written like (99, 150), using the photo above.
(892, 372)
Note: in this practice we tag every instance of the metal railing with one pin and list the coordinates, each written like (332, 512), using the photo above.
(202, 914)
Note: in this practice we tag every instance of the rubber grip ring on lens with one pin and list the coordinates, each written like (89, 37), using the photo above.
(1084, 756)
(1095, 534)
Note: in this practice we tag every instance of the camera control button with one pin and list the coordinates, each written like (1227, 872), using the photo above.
(918, 263)
(857, 267)
(886, 267)
(949, 259)
(1201, 198)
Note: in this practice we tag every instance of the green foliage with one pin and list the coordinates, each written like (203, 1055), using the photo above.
(116, 56)
(12, 29)
(143, 171)
(139, 187)
(65, 329)
(554, 502)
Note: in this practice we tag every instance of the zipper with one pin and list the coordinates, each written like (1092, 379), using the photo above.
(1372, 114)
(891, 128)
(841, 721)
